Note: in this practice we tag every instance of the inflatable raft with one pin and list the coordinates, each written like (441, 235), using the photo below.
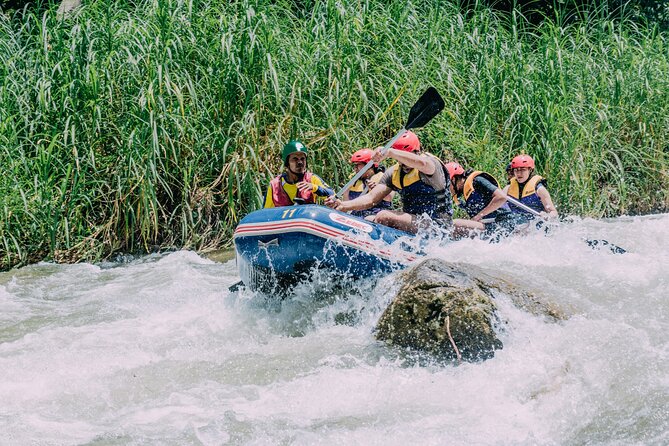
(277, 247)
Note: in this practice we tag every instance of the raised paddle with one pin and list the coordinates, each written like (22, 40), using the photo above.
(594, 244)
(427, 107)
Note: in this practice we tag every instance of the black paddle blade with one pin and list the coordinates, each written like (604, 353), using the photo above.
(427, 107)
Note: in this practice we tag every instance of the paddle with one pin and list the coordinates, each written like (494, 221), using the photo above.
(427, 107)
(594, 244)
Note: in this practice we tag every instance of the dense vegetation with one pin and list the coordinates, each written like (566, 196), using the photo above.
(139, 125)
(651, 12)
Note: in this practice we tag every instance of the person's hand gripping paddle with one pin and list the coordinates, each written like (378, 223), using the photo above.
(427, 107)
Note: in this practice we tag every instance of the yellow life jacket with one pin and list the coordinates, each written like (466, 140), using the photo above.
(469, 182)
(529, 189)
(419, 197)
(358, 186)
(400, 182)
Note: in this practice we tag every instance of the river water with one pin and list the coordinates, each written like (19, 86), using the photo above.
(156, 350)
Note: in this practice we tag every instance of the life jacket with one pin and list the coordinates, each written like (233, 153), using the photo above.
(418, 197)
(357, 190)
(474, 202)
(529, 194)
(281, 198)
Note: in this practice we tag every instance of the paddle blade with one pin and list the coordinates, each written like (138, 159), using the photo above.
(427, 107)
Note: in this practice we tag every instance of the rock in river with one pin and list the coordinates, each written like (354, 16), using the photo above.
(448, 311)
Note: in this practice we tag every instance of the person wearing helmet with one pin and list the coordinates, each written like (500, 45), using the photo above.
(529, 189)
(367, 182)
(418, 177)
(296, 184)
(479, 195)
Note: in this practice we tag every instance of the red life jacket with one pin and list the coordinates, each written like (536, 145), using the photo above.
(280, 196)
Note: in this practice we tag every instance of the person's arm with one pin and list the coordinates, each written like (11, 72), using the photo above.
(546, 200)
(323, 191)
(497, 200)
(365, 201)
(318, 187)
(372, 182)
(389, 197)
(421, 162)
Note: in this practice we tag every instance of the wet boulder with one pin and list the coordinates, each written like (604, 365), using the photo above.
(448, 311)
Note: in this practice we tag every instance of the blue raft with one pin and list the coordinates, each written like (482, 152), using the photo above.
(278, 247)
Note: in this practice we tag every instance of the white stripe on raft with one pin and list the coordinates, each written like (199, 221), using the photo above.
(323, 231)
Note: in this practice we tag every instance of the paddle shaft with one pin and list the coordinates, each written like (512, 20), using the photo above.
(592, 243)
(369, 164)
(524, 207)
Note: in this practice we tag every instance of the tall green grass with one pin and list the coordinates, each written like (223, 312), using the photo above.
(135, 126)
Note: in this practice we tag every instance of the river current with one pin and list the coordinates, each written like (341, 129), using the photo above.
(156, 350)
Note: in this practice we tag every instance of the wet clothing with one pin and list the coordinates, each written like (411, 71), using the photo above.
(359, 188)
(526, 193)
(282, 193)
(503, 225)
(478, 193)
(421, 193)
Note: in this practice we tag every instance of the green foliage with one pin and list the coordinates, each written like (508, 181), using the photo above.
(140, 125)
(651, 12)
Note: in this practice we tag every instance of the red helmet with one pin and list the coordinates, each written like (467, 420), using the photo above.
(454, 169)
(407, 142)
(522, 161)
(362, 156)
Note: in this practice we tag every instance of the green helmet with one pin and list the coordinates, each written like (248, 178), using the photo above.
(292, 147)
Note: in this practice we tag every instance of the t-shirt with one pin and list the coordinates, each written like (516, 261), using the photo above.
(486, 189)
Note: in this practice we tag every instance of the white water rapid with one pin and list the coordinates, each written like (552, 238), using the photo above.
(156, 350)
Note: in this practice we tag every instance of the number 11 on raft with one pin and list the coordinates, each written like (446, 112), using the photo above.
(288, 213)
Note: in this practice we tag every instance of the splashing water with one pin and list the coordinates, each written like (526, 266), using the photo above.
(157, 350)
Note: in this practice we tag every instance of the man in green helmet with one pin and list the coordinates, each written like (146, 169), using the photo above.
(296, 183)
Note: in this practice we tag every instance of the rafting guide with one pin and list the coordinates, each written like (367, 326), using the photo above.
(296, 184)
